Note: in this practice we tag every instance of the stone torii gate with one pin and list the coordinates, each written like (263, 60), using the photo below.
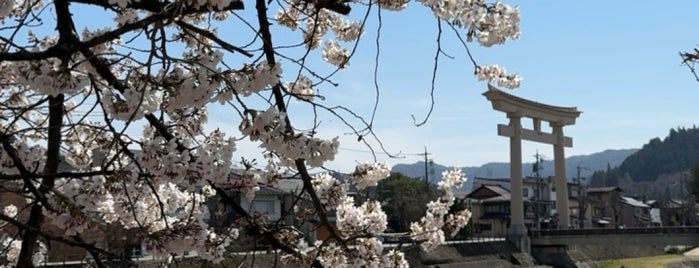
(557, 117)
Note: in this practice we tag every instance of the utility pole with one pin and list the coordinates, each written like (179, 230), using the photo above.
(581, 200)
(683, 212)
(427, 182)
(538, 201)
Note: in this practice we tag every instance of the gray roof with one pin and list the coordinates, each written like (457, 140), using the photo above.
(633, 202)
(290, 185)
(603, 189)
(267, 190)
(490, 193)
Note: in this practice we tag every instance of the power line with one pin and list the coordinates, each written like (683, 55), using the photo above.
(379, 152)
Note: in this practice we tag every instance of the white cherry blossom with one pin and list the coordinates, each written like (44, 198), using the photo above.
(334, 54)
(125, 115)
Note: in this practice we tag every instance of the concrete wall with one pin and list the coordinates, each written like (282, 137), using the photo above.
(618, 239)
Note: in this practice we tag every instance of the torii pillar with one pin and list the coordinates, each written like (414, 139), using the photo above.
(557, 117)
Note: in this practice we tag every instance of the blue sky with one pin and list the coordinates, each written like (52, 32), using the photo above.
(616, 61)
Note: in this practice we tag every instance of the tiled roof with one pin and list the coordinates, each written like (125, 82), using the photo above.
(490, 193)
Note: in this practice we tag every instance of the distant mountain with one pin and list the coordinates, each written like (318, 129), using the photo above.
(588, 163)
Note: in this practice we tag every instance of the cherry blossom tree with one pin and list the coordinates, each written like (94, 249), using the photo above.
(103, 128)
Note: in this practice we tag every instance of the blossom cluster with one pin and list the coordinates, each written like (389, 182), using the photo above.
(330, 190)
(365, 252)
(495, 73)
(48, 77)
(11, 247)
(336, 55)
(33, 157)
(270, 128)
(302, 88)
(368, 218)
(369, 174)
(394, 5)
(253, 79)
(6, 7)
(429, 229)
(318, 23)
(219, 4)
(137, 100)
(9, 8)
(491, 24)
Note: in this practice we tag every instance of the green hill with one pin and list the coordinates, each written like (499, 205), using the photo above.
(677, 152)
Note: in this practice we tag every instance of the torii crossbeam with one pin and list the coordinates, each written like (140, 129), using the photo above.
(557, 117)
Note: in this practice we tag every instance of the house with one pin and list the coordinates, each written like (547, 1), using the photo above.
(279, 204)
(656, 219)
(634, 213)
(490, 208)
(675, 212)
(604, 205)
(538, 194)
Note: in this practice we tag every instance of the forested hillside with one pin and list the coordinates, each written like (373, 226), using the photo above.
(677, 152)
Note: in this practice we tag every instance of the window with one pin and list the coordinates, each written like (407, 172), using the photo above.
(497, 209)
(574, 191)
(598, 212)
(536, 193)
(138, 250)
(485, 227)
(525, 192)
(574, 211)
(491, 209)
(264, 207)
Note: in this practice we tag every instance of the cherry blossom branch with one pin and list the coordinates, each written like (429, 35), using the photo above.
(434, 74)
(161, 13)
(23, 172)
(77, 241)
(6, 177)
(36, 217)
(64, 24)
(225, 45)
(158, 6)
(269, 235)
(689, 59)
(101, 67)
(277, 91)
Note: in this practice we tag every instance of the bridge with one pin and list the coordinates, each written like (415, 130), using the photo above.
(660, 236)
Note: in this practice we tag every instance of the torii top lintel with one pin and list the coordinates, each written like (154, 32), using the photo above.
(512, 104)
